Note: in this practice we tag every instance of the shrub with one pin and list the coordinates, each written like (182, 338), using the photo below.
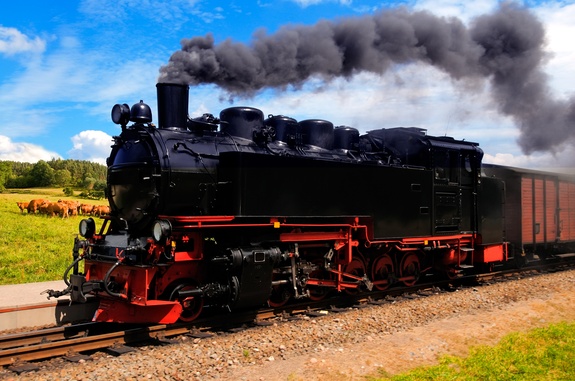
(68, 191)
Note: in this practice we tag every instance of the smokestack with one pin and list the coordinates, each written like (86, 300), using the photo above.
(504, 48)
(172, 105)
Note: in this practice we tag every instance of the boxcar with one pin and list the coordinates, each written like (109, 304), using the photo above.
(539, 211)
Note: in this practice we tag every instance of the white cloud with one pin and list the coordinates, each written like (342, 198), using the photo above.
(559, 26)
(563, 161)
(91, 145)
(12, 42)
(464, 10)
(410, 95)
(24, 152)
(56, 86)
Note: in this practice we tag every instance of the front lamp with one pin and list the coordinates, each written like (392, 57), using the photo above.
(87, 227)
(121, 114)
(162, 230)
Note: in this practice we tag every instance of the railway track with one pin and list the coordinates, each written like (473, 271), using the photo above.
(19, 351)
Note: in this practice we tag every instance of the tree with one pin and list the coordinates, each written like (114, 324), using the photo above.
(62, 177)
(89, 182)
(5, 174)
(41, 175)
(56, 172)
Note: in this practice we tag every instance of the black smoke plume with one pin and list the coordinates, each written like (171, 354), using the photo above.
(505, 48)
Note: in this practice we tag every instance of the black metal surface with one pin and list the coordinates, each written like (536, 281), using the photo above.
(398, 199)
(410, 183)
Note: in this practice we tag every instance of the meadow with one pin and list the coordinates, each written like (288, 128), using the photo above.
(541, 354)
(35, 248)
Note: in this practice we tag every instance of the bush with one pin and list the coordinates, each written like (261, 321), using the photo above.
(68, 191)
(92, 194)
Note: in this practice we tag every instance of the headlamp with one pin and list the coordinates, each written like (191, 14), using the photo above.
(87, 227)
(121, 114)
(162, 230)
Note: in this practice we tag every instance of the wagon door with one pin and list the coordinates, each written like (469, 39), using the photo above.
(566, 212)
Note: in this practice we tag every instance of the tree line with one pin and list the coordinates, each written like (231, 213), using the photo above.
(54, 173)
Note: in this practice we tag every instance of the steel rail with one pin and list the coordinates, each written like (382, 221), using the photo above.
(30, 348)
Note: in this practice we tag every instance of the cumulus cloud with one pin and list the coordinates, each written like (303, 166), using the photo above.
(559, 29)
(91, 145)
(12, 42)
(24, 152)
(464, 10)
(561, 161)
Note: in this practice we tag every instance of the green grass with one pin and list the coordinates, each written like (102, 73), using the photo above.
(542, 354)
(34, 248)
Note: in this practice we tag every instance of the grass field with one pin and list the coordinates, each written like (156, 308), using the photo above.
(35, 248)
(542, 354)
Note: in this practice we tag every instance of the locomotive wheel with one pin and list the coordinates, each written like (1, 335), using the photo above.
(410, 268)
(280, 295)
(191, 305)
(355, 267)
(382, 269)
(451, 273)
(317, 292)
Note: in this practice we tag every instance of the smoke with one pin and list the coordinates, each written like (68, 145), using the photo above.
(505, 48)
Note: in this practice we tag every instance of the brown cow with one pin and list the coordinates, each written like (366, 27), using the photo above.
(23, 206)
(35, 204)
(54, 208)
(72, 206)
(72, 211)
(45, 207)
(86, 208)
(62, 209)
(100, 210)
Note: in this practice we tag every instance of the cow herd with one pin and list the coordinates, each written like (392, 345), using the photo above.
(62, 208)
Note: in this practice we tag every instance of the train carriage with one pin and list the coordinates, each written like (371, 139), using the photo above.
(539, 210)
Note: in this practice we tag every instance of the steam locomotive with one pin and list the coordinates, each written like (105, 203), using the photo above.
(244, 210)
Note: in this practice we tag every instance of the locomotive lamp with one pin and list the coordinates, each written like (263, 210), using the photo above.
(121, 114)
(87, 227)
(162, 230)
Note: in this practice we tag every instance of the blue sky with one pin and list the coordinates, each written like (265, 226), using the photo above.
(63, 65)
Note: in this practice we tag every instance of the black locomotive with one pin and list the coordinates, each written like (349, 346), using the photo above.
(239, 211)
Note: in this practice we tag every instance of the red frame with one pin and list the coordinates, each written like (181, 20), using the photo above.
(136, 281)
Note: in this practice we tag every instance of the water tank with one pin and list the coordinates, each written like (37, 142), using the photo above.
(346, 138)
(241, 121)
(285, 128)
(317, 132)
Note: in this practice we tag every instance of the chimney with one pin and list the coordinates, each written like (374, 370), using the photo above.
(172, 106)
